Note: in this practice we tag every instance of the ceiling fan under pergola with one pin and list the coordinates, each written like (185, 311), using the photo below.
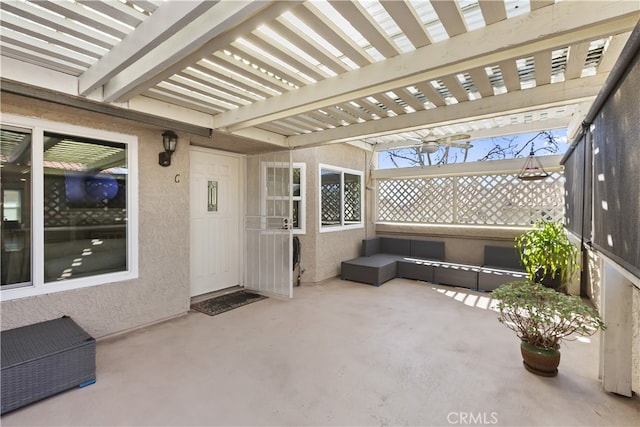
(430, 144)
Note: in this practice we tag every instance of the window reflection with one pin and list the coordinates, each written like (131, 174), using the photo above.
(15, 189)
(85, 202)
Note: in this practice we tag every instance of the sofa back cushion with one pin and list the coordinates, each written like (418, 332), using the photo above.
(370, 246)
(394, 246)
(503, 257)
(427, 249)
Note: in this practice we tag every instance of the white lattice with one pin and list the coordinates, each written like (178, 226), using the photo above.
(423, 200)
(496, 199)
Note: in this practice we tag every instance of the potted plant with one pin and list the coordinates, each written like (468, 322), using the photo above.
(547, 254)
(543, 318)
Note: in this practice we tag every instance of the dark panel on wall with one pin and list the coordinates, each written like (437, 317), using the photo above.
(616, 204)
(574, 189)
(587, 208)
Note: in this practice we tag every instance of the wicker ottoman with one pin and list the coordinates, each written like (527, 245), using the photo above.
(44, 359)
(374, 270)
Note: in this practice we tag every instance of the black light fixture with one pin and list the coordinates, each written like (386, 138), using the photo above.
(169, 141)
(532, 169)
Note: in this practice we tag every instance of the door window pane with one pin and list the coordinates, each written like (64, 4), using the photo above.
(85, 207)
(277, 181)
(276, 176)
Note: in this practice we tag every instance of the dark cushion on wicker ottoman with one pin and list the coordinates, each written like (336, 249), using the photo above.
(44, 359)
(374, 269)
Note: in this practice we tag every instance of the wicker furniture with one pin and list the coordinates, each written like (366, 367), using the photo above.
(384, 258)
(44, 359)
(501, 265)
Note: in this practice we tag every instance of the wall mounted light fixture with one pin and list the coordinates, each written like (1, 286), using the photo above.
(169, 141)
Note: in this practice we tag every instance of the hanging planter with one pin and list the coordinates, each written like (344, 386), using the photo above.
(532, 169)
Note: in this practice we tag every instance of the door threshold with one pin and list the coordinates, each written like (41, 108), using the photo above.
(214, 294)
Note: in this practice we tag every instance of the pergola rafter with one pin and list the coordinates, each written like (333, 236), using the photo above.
(271, 69)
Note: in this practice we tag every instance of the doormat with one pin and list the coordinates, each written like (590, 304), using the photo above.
(226, 302)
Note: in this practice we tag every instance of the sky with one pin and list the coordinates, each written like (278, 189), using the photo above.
(482, 146)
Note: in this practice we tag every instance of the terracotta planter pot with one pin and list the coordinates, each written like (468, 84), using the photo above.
(540, 361)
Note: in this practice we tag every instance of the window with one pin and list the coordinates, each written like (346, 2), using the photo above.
(15, 181)
(276, 174)
(69, 208)
(341, 202)
(298, 198)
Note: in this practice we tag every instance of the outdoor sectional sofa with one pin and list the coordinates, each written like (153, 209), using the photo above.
(384, 258)
(381, 256)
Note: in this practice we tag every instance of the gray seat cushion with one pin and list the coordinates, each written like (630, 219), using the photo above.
(370, 246)
(395, 246)
(427, 249)
(505, 257)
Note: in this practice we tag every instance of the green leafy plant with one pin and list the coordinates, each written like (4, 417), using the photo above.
(547, 250)
(543, 317)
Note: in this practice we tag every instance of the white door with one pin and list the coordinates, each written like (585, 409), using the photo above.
(268, 234)
(215, 214)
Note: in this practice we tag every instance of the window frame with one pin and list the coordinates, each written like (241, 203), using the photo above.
(342, 171)
(302, 199)
(38, 286)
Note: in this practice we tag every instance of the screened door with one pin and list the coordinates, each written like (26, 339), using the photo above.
(268, 231)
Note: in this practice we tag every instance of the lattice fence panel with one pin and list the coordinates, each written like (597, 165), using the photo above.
(420, 200)
(330, 196)
(506, 200)
(496, 199)
(352, 205)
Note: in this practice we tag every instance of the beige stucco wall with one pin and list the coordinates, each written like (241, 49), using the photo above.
(322, 253)
(162, 289)
(594, 292)
(594, 277)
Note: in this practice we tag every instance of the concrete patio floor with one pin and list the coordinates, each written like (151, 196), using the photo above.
(339, 353)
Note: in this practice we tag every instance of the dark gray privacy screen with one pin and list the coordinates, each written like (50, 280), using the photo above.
(616, 137)
(578, 172)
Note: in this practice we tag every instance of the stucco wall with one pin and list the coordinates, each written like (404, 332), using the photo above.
(162, 289)
(322, 253)
(594, 277)
(594, 292)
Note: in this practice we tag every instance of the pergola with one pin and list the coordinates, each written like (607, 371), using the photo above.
(285, 74)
